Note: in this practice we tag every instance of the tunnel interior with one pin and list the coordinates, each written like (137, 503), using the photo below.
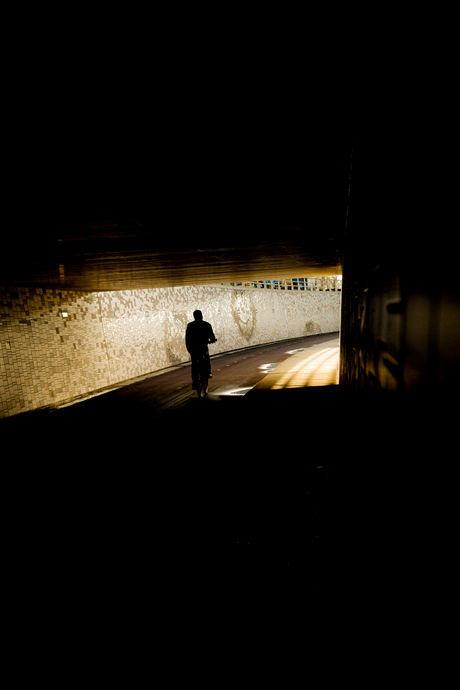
(324, 197)
(332, 197)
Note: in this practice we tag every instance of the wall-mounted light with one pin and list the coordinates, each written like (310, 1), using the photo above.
(64, 314)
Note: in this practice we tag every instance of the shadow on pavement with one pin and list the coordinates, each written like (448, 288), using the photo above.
(329, 483)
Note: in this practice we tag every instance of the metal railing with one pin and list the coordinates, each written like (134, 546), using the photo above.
(325, 283)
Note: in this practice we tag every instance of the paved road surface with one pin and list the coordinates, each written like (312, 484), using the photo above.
(153, 463)
(149, 478)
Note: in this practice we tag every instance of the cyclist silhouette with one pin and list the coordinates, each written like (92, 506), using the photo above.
(198, 335)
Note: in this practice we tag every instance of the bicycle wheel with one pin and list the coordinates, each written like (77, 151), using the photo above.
(202, 379)
(202, 389)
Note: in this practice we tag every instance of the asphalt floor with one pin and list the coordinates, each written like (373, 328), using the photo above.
(149, 482)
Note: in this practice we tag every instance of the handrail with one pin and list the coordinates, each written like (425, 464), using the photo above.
(323, 283)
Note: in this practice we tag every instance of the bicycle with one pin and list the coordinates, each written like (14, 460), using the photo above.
(203, 373)
(202, 383)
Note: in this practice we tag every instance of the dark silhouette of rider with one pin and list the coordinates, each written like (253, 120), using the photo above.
(198, 335)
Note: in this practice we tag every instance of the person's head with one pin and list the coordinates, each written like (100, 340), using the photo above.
(197, 315)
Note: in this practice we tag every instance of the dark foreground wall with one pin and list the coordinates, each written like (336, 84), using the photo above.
(400, 334)
(401, 302)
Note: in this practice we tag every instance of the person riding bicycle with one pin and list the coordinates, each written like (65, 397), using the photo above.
(198, 335)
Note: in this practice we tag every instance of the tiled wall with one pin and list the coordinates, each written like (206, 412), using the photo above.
(108, 337)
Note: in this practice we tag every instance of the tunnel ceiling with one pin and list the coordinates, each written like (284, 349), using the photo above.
(243, 199)
(109, 255)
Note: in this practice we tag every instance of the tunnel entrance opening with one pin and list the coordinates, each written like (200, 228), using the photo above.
(75, 345)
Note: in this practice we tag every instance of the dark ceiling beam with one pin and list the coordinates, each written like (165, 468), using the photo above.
(199, 207)
(115, 258)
